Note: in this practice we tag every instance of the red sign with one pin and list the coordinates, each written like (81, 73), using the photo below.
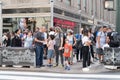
(64, 23)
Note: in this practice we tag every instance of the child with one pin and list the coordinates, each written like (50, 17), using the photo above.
(50, 46)
(67, 51)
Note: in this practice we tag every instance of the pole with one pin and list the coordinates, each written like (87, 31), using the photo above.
(118, 16)
(52, 12)
(80, 20)
(1, 22)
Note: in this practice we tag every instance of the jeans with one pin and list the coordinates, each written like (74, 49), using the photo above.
(79, 54)
(58, 52)
(92, 51)
(39, 55)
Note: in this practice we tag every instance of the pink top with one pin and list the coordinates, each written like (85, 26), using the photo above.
(51, 44)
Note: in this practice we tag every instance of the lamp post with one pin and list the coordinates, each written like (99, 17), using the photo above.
(118, 16)
(109, 5)
(1, 22)
(93, 22)
(52, 11)
(80, 23)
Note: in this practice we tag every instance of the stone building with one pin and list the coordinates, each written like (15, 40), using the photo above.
(67, 14)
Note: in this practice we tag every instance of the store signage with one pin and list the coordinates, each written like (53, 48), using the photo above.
(65, 23)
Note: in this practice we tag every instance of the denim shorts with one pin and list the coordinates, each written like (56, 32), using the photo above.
(99, 51)
(50, 54)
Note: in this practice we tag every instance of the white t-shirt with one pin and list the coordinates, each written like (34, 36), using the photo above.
(51, 45)
(70, 38)
(45, 37)
(51, 33)
(102, 39)
(85, 39)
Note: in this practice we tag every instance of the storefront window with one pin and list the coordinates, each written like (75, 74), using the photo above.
(25, 23)
(26, 10)
(79, 4)
(84, 4)
(68, 2)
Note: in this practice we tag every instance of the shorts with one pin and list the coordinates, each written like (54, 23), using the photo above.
(99, 51)
(50, 54)
(67, 58)
(45, 46)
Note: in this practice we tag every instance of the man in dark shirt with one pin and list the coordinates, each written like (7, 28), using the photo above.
(39, 40)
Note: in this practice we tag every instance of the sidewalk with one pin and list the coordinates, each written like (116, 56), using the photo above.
(75, 68)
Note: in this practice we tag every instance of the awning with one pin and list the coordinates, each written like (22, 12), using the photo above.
(64, 23)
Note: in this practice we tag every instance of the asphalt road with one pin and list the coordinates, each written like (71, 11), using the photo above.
(18, 75)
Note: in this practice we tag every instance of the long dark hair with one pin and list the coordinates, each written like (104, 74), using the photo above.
(85, 32)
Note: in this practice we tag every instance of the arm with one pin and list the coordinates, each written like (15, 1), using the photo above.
(48, 44)
(61, 45)
(98, 40)
(74, 41)
(36, 40)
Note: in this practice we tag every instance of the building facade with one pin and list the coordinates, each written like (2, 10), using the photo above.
(64, 13)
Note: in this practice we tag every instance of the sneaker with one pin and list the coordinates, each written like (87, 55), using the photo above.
(51, 65)
(71, 63)
(61, 65)
(102, 62)
(56, 65)
(42, 65)
(89, 67)
(48, 65)
(68, 68)
(45, 57)
(85, 69)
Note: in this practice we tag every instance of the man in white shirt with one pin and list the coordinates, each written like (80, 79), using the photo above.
(101, 40)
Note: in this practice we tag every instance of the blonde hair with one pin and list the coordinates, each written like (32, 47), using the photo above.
(58, 29)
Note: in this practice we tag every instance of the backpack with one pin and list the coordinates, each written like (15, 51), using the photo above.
(114, 39)
(79, 44)
(95, 35)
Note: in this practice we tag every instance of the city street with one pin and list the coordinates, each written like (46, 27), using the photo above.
(79, 38)
(17, 75)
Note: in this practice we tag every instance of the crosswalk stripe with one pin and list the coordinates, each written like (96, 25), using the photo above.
(56, 75)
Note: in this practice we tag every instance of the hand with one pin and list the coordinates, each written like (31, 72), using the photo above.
(73, 44)
(60, 48)
(42, 41)
(99, 46)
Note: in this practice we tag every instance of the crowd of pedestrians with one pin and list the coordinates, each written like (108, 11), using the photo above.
(85, 45)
